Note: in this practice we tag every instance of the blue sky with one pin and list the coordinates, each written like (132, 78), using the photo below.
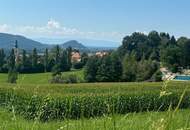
(94, 19)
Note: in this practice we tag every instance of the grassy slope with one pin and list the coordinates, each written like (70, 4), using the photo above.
(141, 121)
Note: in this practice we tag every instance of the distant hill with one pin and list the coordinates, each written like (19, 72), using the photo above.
(74, 44)
(7, 41)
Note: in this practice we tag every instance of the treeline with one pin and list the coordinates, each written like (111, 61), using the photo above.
(139, 58)
(160, 47)
(56, 59)
(34, 63)
(112, 68)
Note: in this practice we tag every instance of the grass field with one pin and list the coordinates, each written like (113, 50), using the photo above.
(133, 121)
(33, 91)
(38, 78)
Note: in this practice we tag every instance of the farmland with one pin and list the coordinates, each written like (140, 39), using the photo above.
(33, 103)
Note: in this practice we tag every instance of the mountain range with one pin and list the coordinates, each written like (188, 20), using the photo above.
(7, 41)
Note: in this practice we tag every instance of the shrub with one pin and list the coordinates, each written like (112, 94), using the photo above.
(157, 77)
(12, 76)
(68, 79)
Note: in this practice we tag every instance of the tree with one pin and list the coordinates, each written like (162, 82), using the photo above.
(185, 59)
(84, 58)
(91, 69)
(129, 67)
(173, 41)
(56, 70)
(116, 67)
(24, 58)
(69, 53)
(64, 61)
(171, 57)
(57, 54)
(146, 69)
(12, 75)
(2, 59)
(104, 72)
(11, 60)
(154, 39)
(46, 60)
(34, 59)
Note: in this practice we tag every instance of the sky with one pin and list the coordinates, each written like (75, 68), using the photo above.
(109, 20)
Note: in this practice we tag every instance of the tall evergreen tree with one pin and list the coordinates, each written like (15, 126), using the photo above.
(116, 68)
(64, 61)
(69, 54)
(91, 69)
(24, 58)
(12, 75)
(2, 59)
(56, 70)
(57, 54)
(104, 73)
(46, 60)
(34, 58)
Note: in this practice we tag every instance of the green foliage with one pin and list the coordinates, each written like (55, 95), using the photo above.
(78, 65)
(104, 72)
(34, 58)
(69, 52)
(2, 59)
(129, 67)
(46, 60)
(11, 60)
(171, 57)
(12, 76)
(65, 79)
(157, 77)
(56, 70)
(116, 67)
(91, 69)
(158, 47)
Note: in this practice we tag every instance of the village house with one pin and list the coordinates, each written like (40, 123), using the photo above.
(76, 57)
(101, 54)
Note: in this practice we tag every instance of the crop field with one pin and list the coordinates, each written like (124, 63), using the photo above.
(35, 104)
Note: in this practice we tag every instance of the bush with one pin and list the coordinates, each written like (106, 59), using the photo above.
(157, 77)
(12, 76)
(68, 79)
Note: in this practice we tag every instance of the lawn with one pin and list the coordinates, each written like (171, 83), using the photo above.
(38, 78)
(132, 121)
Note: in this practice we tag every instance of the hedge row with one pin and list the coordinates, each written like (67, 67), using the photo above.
(75, 107)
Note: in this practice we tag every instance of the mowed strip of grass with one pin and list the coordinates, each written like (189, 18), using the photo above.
(38, 78)
(131, 121)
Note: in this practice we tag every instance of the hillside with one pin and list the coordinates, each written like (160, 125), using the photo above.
(7, 42)
(74, 44)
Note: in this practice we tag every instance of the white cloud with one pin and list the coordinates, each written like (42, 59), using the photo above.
(4, 28)
(53, 24)
(53, 28)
